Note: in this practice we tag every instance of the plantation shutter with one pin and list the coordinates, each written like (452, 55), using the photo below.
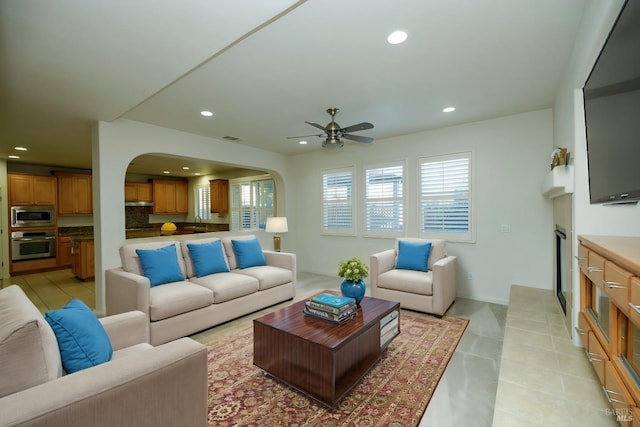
(384, 199)
(337, 202)
(445, 200)
(252, 202)
(202, 201)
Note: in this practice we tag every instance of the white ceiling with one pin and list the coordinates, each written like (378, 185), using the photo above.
(264, 67)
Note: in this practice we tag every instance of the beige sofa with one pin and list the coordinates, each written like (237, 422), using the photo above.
(140, 386)
(431, 292)
(184, 307)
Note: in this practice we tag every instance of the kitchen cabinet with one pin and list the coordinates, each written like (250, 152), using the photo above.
(83, 259)
(64, 256)
(32, 190)
(138, 192)
(170, 197)
(75, 194)
(219, 189)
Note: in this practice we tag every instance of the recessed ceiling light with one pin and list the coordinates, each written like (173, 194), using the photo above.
(206, 113)
(166, 172)
(448, 109)
(197, 174)
(185, 168)
(397, 37)
(14, 157)
(303, 142)
(20, 148)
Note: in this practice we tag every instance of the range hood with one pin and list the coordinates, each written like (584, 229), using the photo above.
(138, 203)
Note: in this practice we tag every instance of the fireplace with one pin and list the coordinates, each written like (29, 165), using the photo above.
(561, 267)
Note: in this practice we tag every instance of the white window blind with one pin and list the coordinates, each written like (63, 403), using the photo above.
(337, 202)
(384, 199)
(252, 202)
(202, 201)
(445, 199)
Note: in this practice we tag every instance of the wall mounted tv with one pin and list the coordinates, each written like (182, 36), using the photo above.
(612, 113)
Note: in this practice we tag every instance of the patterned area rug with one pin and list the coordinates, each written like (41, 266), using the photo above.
(394, 393)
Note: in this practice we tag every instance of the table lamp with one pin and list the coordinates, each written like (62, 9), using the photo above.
(276, 224)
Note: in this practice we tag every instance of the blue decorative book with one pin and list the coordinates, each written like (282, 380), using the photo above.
(333, 300)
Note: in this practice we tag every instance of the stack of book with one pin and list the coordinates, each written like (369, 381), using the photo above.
(334, 308)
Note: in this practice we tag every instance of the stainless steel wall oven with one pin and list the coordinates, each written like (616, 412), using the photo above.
(33, 245)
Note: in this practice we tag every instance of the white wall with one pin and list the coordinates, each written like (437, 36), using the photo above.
(569, 131)
(115, 144)
(511, 158)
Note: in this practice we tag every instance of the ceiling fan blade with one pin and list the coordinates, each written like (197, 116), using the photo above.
(355, 128)
(304, 136)
(358, 138)
(315, 125)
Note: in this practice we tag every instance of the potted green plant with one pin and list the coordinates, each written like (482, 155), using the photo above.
(353, 271)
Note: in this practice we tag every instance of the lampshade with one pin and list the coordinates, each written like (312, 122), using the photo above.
(276, 224)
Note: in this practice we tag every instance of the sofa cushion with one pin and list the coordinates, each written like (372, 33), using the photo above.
(268, 276)
(81, 337)
(206, 258)
(228, 248)
(438, 249)
(413, 255)
(29, 353)
(160, 265)
(412, 281)
(131, 262)
(248, 253)
(177, 298)
(227, 286)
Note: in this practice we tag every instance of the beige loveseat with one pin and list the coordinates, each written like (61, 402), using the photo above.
(184, 307)
(140, 386)
(432, 291)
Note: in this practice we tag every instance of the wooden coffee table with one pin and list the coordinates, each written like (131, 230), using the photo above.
(319, 358)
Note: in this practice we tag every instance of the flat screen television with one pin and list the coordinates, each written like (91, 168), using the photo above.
(612, 113)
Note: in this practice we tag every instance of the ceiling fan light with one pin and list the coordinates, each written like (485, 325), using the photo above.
(303, 142)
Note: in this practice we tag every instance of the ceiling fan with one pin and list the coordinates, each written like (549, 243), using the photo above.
(334, 133)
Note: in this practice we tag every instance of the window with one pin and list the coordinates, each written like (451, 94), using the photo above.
(384, 199)
(252, 202)
(445, 197)
(202, 201)
(337, 202)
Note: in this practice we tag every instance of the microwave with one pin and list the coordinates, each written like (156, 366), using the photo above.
(33, 216)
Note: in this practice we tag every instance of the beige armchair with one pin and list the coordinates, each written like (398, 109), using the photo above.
(431, 292)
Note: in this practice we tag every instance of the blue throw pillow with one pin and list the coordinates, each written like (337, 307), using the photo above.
(208, 258)
(413, 255)
(82, 340)
(160, 265)
(248, 253)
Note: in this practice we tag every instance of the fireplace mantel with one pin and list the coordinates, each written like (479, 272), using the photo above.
(558, 182)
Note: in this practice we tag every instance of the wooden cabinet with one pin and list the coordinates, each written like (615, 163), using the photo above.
(64, 256)
(609, 318)
(170, 197)
(219, 196)
(32, 190)
(83, 259)
(75, 194)
(138, 192)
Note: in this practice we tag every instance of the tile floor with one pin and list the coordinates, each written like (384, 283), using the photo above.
(544, 379)
(535, 378)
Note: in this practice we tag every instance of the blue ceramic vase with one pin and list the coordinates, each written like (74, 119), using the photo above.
(353, 289)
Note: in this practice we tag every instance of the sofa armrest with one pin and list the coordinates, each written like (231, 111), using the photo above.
(444, 284)
(126, 292)
(126, 329)
(281, 259)
(380, 263)
(162, 386)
